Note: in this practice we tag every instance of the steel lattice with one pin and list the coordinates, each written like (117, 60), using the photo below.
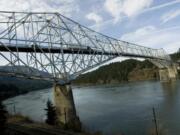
(34, 43)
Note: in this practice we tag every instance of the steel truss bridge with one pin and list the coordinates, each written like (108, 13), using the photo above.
(53, 47)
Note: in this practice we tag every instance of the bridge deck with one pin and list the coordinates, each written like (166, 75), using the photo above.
(87, 51)
(55, 44)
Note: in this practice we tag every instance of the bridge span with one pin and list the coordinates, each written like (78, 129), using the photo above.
(61, 47)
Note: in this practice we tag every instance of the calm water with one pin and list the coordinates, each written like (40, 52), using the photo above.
(114, 109)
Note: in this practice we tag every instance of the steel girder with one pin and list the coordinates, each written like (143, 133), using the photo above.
(34, 44)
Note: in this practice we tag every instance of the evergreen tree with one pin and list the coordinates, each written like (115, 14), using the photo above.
(51, 113)
(3, 118)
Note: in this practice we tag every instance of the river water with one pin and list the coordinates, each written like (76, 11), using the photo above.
(114, 109)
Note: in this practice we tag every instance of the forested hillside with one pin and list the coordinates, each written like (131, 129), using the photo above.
(11, 86)
(119, 72)
(128, 70)
(175, 56)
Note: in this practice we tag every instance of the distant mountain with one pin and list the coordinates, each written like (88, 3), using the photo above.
(23, 69)
(12, 86)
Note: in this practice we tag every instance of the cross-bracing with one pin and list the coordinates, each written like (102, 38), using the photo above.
(52, 43)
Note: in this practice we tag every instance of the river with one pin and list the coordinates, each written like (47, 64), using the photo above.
(114, 109)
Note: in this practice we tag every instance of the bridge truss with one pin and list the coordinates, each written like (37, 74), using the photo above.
(53, 47)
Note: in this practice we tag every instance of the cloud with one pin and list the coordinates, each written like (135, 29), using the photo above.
(66, 7)
(151, 36)
(161, 6)
(133, 7)
(136, 36)
(129, 8)
(94, 17)
(105, 23)
(170, 15)
(114, 8)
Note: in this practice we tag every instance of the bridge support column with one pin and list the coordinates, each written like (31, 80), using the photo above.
(65, 107)
(168, 74)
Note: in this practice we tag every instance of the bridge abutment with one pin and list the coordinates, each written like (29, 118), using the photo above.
(168, 74)
(65, 107)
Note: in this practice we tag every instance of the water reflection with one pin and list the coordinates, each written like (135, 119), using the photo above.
(168, 112)
(115, 109)
(169, 87)
(170, 92)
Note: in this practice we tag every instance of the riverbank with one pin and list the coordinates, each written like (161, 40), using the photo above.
(113, 109)
(18, 124)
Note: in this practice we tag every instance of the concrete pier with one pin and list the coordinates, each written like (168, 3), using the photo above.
(168, 74)
(65, 107)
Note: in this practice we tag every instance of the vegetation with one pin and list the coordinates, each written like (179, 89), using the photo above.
(128, 70)
(114, 72)
(175, 56)
(74, 125)
(3, 118)
(51, 114)
(19, 118)
(11, 86)
(7, 91)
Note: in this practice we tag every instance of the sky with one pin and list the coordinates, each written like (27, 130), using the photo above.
(151, 23)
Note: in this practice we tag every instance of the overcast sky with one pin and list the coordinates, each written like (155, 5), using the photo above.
(152, 23)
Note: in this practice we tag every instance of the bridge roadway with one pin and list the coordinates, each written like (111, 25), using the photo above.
(70, 50)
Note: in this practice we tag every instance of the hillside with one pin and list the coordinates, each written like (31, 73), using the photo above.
(175, 56)
(12, 86)
(128, 70)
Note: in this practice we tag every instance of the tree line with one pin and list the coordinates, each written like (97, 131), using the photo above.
(115, 71)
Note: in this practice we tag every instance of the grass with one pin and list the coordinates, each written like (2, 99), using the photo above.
(18, 118)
